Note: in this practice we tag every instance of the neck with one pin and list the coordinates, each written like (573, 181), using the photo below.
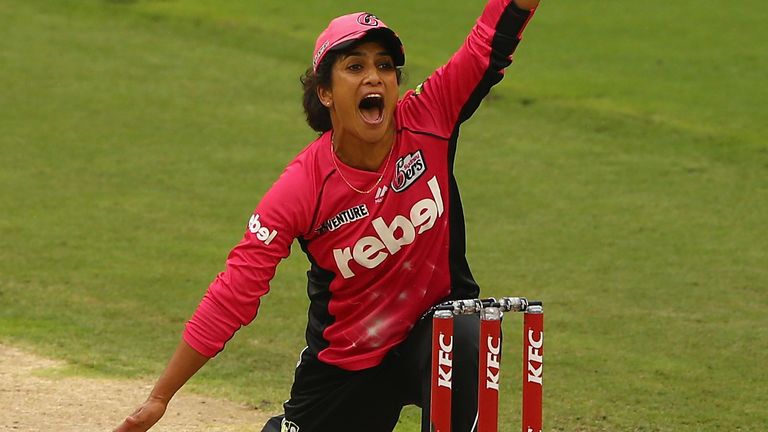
(363, 155)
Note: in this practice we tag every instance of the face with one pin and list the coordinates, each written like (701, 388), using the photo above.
(363, 94)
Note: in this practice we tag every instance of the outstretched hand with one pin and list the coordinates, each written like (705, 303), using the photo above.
(145, 416)
(184, 363)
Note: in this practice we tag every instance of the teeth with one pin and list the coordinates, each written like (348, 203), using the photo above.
(378, 96)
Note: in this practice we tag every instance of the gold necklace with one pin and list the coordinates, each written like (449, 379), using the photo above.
(336, 164)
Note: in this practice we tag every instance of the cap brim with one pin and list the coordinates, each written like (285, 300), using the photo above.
(389, 39)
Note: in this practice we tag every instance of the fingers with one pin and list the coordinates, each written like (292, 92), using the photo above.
(130, 424)
(141, 420)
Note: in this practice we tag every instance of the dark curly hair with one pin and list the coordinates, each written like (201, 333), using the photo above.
(318, 115)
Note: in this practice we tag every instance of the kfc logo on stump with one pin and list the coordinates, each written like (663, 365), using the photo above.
(445, 362)
(535, 342)
(493, 366)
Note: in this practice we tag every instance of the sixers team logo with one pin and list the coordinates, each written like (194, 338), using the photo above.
(367, 19)
(408, 169)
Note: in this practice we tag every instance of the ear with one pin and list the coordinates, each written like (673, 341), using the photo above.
(326, 96)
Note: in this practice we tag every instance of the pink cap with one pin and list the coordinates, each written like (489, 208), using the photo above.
(348, 28)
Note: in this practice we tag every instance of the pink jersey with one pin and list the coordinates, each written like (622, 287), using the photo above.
(378, 260)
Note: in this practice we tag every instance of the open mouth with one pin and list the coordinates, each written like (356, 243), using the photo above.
(372, 108)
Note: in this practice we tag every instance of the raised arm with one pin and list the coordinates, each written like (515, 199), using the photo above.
(453, 92)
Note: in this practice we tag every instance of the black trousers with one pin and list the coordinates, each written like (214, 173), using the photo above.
(325, 398)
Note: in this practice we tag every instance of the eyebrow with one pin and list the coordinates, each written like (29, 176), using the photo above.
(360, 54)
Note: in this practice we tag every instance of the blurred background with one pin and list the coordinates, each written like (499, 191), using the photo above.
(619, 173)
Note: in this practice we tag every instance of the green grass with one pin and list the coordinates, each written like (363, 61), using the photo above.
(627, 144)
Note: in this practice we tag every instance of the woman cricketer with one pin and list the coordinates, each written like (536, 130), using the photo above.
(374, 204)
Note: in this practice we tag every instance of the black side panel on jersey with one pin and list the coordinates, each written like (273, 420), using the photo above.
(512, 20)
(463, 284)
(319, 292)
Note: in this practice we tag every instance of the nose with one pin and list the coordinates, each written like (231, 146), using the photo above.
(372, 76)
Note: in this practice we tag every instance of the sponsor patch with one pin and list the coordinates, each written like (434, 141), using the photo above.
(320, 52)
(343, 218)
(370, 251)
(262, 233)
(289, 426)
(408, 169)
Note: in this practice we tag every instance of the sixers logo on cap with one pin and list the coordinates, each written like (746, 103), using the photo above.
(368, 20)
